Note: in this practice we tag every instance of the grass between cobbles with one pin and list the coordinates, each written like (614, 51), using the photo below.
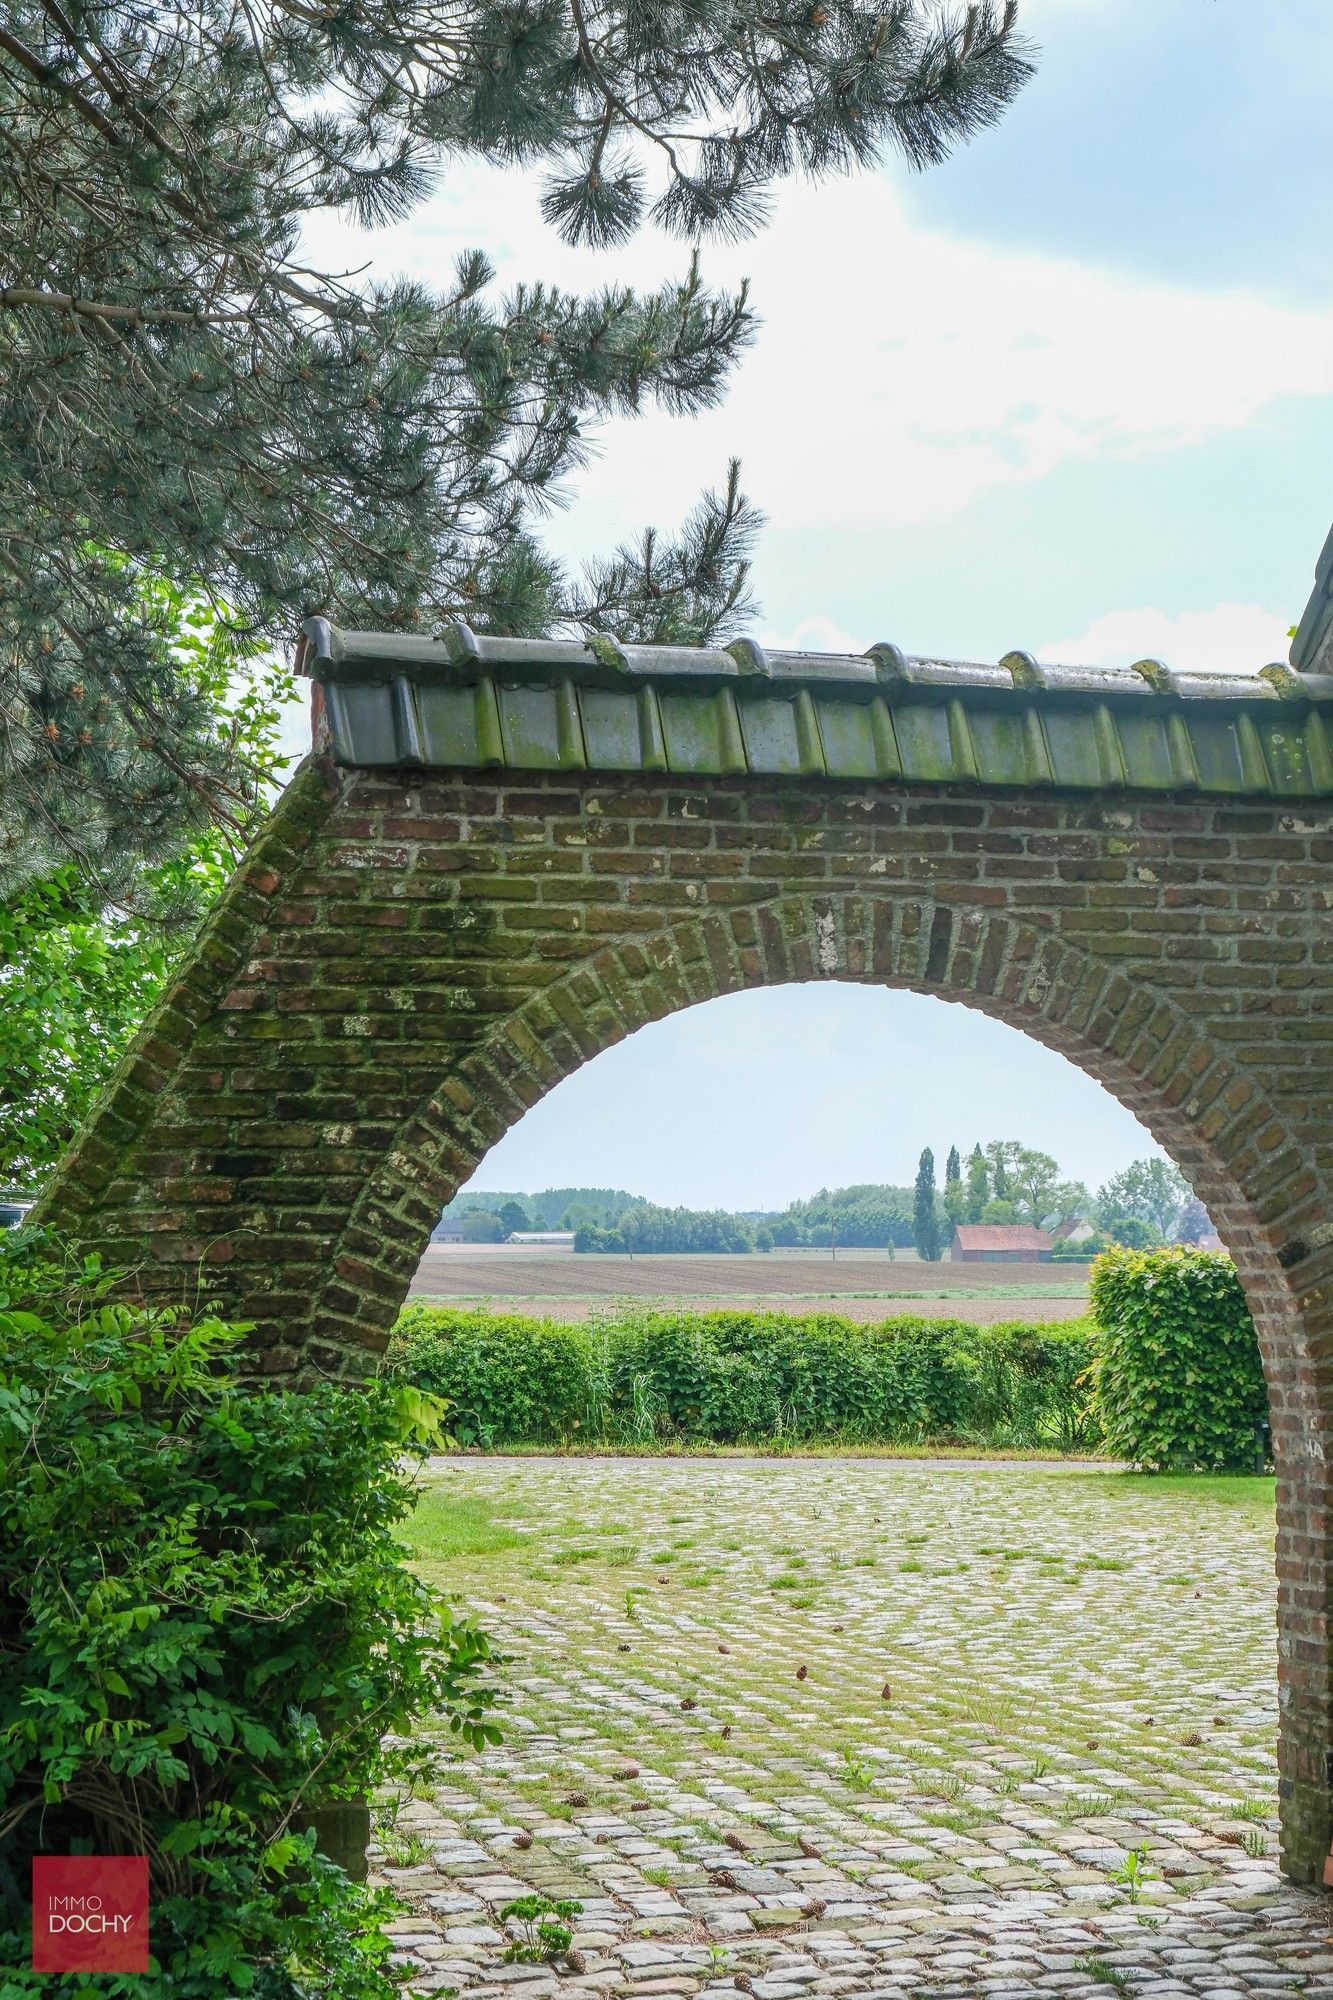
(984, 1678)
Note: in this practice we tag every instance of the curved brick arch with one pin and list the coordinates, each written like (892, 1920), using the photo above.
(1141, 1046)
(407, 961)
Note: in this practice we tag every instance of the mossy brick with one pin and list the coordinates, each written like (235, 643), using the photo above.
(428, 1022)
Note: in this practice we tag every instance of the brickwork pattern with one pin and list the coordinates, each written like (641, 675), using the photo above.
(407, 962)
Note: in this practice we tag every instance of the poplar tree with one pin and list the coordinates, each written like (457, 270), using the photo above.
(955, 1199)
(185, 394)
(978, 1184)
(925, 1217)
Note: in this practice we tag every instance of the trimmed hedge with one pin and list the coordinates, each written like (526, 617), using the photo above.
(1179, 1385)
(644, 1377)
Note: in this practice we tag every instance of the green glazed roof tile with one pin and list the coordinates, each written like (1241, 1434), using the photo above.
(461, 700)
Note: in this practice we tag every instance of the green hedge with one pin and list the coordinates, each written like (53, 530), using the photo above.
(644, 1377)
(1178, 1381)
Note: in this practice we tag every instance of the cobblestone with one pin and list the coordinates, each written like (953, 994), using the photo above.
(1015, 1673)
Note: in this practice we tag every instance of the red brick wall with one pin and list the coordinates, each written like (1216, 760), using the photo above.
(407, 963)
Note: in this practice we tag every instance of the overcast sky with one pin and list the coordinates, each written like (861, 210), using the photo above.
(1071, 392)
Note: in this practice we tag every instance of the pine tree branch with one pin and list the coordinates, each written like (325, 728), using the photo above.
(16, 295)
(181, 388)
(51, 79)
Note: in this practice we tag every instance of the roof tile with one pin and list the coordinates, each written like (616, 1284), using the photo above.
(464, 700)
(1000, 1236)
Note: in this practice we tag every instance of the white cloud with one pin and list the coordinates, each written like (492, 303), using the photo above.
(901, 374)
(1231, 637)
(816, 634)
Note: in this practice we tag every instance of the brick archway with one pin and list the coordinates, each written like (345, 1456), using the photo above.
(469, 891)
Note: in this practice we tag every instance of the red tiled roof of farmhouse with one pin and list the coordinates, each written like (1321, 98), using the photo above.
(1001, 1236)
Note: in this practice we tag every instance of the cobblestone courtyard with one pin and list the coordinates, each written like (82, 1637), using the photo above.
(847, 1726)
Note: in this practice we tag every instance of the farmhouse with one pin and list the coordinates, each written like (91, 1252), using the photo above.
(447, 1232)
(1000, 1243)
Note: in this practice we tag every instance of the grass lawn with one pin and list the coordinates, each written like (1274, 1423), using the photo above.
(448, 1524)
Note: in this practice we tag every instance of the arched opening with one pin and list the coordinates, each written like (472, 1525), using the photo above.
(746, 1104)
(1140, 1044)
(1010, 1679)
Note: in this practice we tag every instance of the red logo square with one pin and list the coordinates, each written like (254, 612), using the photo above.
(90, 1913)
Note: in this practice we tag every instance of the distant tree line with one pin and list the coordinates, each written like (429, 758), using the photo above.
(649, 1230)
(868, 1216)
(491, 1217)
(1001, 1181)
(865, 1217)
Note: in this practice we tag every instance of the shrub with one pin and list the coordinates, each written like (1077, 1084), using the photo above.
(1178, 1380)
(206, 1630)
(1029, 1384)
(640, 1376)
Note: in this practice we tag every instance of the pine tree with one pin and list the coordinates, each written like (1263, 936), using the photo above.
(182, 395)
(925, 1219)
(978, 1184)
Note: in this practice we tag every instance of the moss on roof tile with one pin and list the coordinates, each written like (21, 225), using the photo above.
(462, 700)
